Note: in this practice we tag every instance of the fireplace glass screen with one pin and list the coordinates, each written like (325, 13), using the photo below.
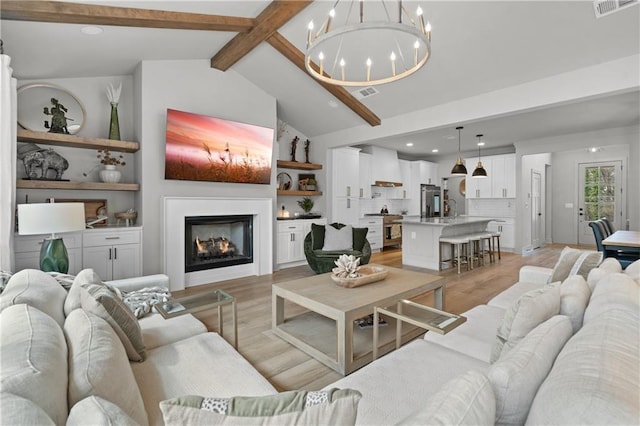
(218, 241)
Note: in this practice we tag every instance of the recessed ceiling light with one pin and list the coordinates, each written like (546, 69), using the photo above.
(480, 143)
(449, 137)
(434, 150)
(595, 149)
(91, 30)
(333, 104)
(409, 143)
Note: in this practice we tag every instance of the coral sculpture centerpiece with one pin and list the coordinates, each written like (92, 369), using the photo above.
(347, 266)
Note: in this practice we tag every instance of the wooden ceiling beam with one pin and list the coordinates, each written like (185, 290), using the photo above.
(292, 53)
(78, 13)
(275, 15)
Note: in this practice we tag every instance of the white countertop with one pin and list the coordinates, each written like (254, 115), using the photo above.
(444, 221)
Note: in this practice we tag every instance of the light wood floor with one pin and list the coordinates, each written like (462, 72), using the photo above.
(288, 368)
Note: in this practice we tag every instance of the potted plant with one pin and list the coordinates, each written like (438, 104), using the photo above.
(312, 185)
(110, 174)
(306, 204)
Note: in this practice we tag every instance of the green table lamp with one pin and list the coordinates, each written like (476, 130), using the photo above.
(51, 218)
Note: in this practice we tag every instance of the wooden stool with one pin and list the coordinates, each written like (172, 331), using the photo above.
(458, 243)
(495, 238)
(476, 244)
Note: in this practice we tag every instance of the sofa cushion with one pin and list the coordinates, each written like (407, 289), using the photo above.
(100, 300)
(475, 337)
(98, 365)
(38, 289)
(205, 364)
(34, 359)
(86, 276)
(530, 310)
(614, 291)
(21, 411)
(157, 331)
(517, 375)
(100, 411)
(574, 262)
(508, 297)
(611, 264)
(332, 407)
(633, 271)
(466, 400)
(595, 379)
(587, 260)
(574, 298)
(338, 239)
(394, 385)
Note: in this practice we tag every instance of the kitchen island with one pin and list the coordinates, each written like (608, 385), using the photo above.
(421, 237)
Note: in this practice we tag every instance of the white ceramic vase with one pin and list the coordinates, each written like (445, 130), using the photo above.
(110, 174)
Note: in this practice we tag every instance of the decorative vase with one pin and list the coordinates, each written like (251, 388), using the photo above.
(114, 126)
(110, 174)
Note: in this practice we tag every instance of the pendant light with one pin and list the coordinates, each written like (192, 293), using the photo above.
(459, 169)
(479, 172)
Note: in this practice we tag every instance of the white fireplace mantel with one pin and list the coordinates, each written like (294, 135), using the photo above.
(175, 211)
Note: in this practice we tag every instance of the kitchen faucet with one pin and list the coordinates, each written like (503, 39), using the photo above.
(455, 207)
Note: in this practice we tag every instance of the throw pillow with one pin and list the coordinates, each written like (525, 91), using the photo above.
(38, 289)
(338, 239)
(611, 264)
(317, 236)
(4, 279)
(21, 411)
(98, 365)
(531, 309)
(331, 407)
(86, 276)
(466, 400)
(100, 300)
(633, 271)
(574, 298)
(562, 268)
(359, 238)
(587, 261)
(100, 411)
(518, 374)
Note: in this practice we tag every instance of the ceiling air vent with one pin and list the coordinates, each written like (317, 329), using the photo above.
(607, 7)
(365, 92)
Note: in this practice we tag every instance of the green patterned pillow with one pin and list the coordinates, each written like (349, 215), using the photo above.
(334, 407)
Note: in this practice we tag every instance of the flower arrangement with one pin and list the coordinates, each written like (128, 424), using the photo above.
(109, 159)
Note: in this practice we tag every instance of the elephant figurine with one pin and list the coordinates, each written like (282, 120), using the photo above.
(45, 159)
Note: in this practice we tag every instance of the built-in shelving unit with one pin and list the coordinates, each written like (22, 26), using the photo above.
(72, 141)
(298, 165)
(298, 193)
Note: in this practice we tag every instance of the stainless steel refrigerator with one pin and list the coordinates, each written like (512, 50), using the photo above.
(430, 200)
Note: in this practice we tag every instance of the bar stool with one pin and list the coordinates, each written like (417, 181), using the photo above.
(458, 243)
(476, 243)
(495, 239)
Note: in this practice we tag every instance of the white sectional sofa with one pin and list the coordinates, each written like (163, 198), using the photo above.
(570, 356)
(579, 364)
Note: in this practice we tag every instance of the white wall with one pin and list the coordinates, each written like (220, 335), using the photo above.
(191, 86)
(567, 152)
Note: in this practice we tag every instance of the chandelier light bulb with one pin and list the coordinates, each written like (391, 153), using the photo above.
(332, 14)
(419, 11)
(321, 58)
(428, 27)
(310, 26)
(309, 36)
(369, 69)
(393, 63)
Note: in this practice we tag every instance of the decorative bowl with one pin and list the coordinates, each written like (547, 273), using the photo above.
(368, 274)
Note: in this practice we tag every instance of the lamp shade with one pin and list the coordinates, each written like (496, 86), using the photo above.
(50, 218)
(459, 168)
(480, 171)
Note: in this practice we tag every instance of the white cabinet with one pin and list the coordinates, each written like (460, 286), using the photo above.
(500, 181)
(365, 175)
(506, 227)
(345, 184)
(27, 251)
(374, 233)
(290, 239)
(113, 253)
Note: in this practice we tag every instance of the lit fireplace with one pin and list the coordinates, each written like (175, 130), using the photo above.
(217, 241)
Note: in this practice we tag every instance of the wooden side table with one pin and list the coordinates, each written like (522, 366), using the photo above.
(426, 317)
(200, 302)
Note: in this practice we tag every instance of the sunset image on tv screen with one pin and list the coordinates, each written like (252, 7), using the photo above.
(212, 149)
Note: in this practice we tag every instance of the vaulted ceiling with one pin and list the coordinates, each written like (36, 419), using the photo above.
(477, 47)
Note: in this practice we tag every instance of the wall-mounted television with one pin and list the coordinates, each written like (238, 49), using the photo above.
(203, 148)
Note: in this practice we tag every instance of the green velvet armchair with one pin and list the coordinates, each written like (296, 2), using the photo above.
(323, 261)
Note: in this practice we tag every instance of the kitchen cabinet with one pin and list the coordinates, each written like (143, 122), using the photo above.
(374, 233)
(27, 251)
(113, 253)
(500, 181)
(290, 240)
(364, 164)
(344, 204)
(506, 227)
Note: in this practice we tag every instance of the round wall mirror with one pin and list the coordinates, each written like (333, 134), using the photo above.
(463, 187)
(46, 107)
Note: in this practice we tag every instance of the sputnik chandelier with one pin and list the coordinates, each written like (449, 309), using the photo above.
(365, 43)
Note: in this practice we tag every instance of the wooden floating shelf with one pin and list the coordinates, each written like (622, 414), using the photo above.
(298, 165)
(55, 184)
(59, 139)
(298, 193)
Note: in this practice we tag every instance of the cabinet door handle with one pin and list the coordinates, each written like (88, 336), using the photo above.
(361, 192)
(292, 227)
(115, 253)
(348, 203)
(348, 191)
(109, 254)
(111, 238)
